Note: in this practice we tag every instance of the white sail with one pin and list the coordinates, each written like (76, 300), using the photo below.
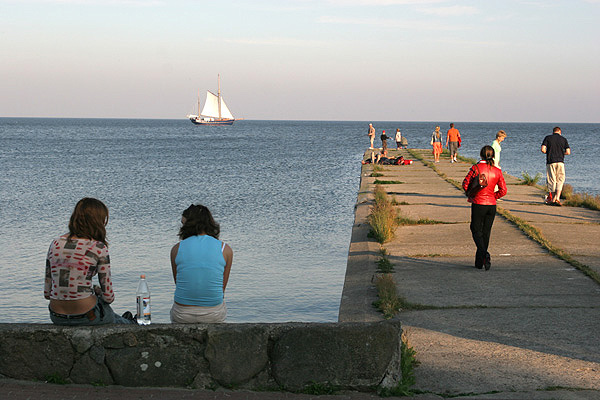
(211, 106)
(225, 113)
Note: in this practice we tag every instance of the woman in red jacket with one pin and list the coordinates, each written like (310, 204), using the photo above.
(483, 204)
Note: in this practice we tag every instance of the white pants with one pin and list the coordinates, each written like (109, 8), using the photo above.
(196, 314)
(555, 176)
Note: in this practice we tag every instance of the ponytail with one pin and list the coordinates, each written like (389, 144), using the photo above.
(487, 154)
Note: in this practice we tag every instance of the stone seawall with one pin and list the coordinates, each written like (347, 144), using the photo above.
(286, 356)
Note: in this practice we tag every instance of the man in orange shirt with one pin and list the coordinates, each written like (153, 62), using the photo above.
(452, 142)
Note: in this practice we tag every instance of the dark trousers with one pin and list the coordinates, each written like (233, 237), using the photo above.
(482, 219)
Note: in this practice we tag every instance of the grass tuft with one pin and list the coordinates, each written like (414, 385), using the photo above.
(389, 302)
(574, 199)
(318, 389)
(530, 180)
(57, 379)
(382, 217)
(380, 182)
(535, 234)
(404, 220)
(408, 362)
(384, 265)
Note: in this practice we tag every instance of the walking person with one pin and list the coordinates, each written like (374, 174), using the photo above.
(453, 142)
(398, 139)
(483, 204)
(500, 136)
(436, 142)
(555, 147)
(371, 134)
(384, 139)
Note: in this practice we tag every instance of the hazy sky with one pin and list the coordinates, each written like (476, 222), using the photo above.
(400, 60)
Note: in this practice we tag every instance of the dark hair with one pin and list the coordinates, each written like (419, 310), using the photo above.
(198, 221)
(556, 129)
(487, 154)
(89, 220)
(451, 125)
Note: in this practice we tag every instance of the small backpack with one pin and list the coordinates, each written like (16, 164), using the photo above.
(477, 183)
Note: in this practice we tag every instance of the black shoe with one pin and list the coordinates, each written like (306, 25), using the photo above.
(488, 262)
(128, 315)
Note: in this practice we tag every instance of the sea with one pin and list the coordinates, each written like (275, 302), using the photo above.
(283, 192)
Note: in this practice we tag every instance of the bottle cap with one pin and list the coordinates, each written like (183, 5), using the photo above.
(143, 276)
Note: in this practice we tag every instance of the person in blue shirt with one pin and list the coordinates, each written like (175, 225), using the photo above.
(201, 264)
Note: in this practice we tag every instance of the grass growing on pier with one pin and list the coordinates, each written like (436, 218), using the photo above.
(535, 234)
(408, 362)
(318, 389)
(376, 174)
(382, 217)
(389, 302)
(57, 379)
(466, 159)
(574, 199)
(403, 220)
(384, 265)
(530, 180)
(380, 182)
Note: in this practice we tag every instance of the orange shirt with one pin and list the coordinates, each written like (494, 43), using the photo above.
(452, 135)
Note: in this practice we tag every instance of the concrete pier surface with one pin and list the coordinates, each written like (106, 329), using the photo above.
(527, 328)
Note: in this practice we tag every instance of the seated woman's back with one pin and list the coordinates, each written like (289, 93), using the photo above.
(200, 266)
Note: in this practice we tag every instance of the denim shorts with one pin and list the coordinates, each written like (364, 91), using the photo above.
(101, 314)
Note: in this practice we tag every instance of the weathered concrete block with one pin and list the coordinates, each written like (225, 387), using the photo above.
(353, 356)
(159, 357)
(236, 354)
(90, 368)
(28, 352)
(251, 356)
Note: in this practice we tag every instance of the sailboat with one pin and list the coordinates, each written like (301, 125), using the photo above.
(215, 111)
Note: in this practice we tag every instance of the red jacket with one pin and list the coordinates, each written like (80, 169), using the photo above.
(486, 196)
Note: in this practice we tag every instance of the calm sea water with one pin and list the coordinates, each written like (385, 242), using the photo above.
(283, 192)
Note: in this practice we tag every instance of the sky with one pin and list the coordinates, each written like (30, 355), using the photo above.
(343, 60)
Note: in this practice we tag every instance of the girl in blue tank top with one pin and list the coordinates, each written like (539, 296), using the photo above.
(201, 264)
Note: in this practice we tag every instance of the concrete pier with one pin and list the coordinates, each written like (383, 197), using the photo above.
(528, 325)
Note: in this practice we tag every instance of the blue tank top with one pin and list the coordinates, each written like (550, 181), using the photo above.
(200, 266)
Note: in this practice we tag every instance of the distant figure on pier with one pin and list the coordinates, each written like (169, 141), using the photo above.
(436, 142)
(453, 142)
(398, 139)
(371, 134)
(201, 264)
(500, 136)
(73, 260)
(384, 139)
(483, 204)
(555, 147)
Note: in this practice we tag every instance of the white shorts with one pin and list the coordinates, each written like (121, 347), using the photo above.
(555, 176)
(197, 314)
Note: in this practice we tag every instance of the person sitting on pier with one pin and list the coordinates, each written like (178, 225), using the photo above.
(73, 260)
(201, 264)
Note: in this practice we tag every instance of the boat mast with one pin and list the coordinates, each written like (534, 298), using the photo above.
(219, 93)
(198, 103)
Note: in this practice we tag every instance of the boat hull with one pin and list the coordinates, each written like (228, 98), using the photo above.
(216, 122)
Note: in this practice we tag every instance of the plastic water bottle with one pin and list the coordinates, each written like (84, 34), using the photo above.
(143, 302)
